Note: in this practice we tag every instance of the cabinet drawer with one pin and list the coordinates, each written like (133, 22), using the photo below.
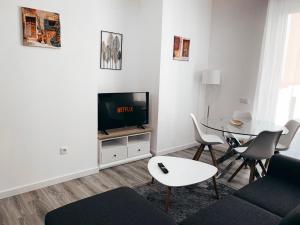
(138, 149)
(113, 154)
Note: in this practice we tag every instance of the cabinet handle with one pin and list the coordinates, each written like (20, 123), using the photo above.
(115, 155)
(139, 150)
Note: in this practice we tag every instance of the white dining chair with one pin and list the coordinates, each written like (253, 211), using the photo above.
(205, 140)
(241, 115)
(286, 139)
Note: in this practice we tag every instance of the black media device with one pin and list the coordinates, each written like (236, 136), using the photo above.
(117, 110)
(163, 168)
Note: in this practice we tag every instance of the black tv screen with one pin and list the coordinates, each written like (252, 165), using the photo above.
(117, 110)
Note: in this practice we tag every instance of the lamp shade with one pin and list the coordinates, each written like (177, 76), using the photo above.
(211, 77)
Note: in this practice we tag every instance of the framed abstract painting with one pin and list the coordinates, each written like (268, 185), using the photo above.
(111, 50)
(181, 48)
(41, 28)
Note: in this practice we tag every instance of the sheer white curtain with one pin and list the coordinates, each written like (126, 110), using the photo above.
(272, 57)
(288, 104)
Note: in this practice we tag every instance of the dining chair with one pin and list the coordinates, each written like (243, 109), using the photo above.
(205, 140)
(286, 139)
(262, 147)
(241, 115)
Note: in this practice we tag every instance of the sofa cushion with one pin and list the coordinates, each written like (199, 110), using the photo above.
(272, 194)
(285, 168)
(232, 211)
(292, 218)
(120, 206)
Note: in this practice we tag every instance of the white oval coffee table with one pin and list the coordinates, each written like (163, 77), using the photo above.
(182, 172)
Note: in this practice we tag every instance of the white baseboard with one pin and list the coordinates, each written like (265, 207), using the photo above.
(45, 183)
(71, 176)
(176, 148)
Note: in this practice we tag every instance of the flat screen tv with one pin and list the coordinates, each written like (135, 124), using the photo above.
(117, 110)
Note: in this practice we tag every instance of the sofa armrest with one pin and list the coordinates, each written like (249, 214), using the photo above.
(285, 168)
(292, 218)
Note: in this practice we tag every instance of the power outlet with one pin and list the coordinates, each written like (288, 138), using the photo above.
(244, 101)
(63, 150)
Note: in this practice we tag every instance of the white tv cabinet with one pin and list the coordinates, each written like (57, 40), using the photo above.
(123, 146)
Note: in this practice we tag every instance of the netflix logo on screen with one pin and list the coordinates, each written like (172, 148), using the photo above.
(125, 109)
(118, 110)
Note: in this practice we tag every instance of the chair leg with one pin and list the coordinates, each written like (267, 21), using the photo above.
(256, 173)
(267, 164)
(252, 171)
(237, 171)
(199, 152)
(213, 157)
(264, 171)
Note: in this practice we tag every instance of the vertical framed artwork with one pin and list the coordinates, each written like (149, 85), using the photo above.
(181, 48)
(41, 28)
(111, 50)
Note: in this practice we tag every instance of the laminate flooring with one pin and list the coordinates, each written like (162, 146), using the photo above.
(30, 208)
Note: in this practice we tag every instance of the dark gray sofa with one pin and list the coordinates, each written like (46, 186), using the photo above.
(272, 200)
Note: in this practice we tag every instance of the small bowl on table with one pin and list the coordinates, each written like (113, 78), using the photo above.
(236, 122)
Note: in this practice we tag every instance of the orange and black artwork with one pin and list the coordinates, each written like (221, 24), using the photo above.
(41, 28)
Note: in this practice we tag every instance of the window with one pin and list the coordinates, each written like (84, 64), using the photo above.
(288, 103)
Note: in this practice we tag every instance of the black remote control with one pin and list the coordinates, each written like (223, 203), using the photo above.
(163, 168)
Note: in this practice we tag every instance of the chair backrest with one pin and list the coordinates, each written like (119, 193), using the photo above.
(197, 130)
(287, 139)
(263, 146)
(242, 116)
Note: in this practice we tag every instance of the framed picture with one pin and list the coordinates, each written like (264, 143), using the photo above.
(111, 50)
(181, 48)
(40, 28)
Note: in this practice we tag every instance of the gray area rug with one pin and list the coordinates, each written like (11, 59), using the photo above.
(185, 201)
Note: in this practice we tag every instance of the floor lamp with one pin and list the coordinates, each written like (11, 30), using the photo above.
(211, 77)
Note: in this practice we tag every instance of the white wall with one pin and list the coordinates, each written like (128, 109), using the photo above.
(150, 53)
(180, 92)
(140, 23)
(236, 38)
(48, 97)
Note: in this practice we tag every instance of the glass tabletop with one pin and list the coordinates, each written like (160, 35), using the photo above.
(251, 128)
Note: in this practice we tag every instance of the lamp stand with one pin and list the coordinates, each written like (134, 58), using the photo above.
(207, 115)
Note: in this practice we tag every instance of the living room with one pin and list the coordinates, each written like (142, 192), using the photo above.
(196, 65)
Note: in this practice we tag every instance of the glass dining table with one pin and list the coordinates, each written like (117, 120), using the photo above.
(248, 129)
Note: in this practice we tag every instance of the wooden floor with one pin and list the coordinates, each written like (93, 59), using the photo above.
(30, 208)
